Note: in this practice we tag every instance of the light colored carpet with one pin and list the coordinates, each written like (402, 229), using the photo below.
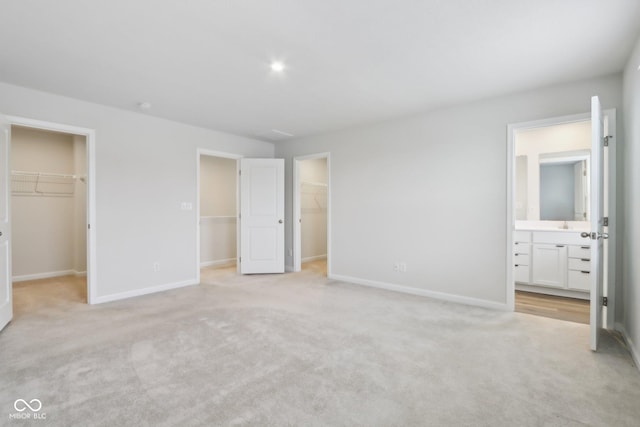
(300, 350)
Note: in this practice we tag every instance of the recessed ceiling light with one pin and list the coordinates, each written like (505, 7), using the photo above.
(144, 106)
(277, 66)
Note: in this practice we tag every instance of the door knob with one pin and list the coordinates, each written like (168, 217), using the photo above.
(279, 221)
(603, 235)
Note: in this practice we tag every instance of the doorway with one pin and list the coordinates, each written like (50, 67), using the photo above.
(217, 207)
(549, 189)
(52, 197)
(312, 221)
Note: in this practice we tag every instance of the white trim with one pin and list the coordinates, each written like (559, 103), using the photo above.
(611, 210)
(79, 273)
(314, 258)
(218, 263)
(635, 352)
(45, 275)
(297, 232)
(144, 291)
(423, 293)
(212, 153)
(90, 143)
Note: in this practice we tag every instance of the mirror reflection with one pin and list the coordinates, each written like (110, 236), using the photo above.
(552, 172)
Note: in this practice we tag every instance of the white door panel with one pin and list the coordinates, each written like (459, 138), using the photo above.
(6, 300)
(597, 210)
(261, 216)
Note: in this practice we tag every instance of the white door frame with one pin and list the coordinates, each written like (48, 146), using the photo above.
(297, 232)
(212, 153)
(610, 203)
(90, 138)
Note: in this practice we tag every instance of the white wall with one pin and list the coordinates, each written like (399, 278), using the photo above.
(313, 209)
(47, 240)
(430, 190)
(218, 189)
(145, 168)
(629, 298)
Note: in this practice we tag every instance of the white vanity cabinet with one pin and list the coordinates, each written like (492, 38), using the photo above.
(549, 265)
(522, 256)
(579, 277)
(556, 262)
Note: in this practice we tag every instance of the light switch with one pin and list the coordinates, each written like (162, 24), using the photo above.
(186, 206)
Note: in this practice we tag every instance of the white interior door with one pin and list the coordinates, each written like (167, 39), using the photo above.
(597, 221)
(6, 300)
(261, 216)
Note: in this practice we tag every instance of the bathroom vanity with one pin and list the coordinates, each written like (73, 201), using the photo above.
(555, 262)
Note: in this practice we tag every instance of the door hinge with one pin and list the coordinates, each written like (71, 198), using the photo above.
(605, 301)
(240, 259)
(605, 221)
(89, 226)
(606, 140)
(240, 172)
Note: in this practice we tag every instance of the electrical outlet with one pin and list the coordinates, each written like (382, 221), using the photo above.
(156, 266)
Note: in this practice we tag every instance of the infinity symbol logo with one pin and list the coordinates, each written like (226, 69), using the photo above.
(21, 405)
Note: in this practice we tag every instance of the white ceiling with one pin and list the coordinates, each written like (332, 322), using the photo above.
(206, 62)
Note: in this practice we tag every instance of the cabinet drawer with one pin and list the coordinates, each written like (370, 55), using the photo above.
(521, 259)
(521, 236)
(579, 281)
(580, 251)
(521, 248)
(579, 264)
(521, 274)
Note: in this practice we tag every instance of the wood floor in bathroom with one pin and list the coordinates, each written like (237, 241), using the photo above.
(562, 308)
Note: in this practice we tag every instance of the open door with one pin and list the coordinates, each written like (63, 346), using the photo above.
(597, 220)
(261, 216)
(6, 300)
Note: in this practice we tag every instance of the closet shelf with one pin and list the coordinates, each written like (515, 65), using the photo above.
(24, 183)
(314, 184)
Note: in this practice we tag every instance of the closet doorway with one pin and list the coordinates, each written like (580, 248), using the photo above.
(312, 212)
(49, 215)
(217, 209)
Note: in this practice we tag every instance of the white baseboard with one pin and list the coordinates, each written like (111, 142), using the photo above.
(79, 273)
(552, 291)
(635, 352)
(423, 292)
(218, 263)
(143, 291)
(46, 275)
(314, 258)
